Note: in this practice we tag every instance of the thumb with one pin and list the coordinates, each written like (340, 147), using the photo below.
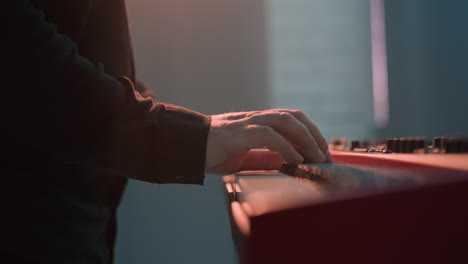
(261, 159)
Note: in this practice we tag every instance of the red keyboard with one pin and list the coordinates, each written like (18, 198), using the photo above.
(365, 208)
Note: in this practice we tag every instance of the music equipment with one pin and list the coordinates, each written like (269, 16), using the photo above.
(371, 205)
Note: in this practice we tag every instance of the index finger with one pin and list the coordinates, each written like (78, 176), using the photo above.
(314, 130)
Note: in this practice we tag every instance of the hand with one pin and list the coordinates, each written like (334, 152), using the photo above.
(235, 141)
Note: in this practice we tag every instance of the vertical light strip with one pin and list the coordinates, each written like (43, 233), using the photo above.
(379, 64)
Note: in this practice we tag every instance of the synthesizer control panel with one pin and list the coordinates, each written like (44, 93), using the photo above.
(420, 145)
(394, 200)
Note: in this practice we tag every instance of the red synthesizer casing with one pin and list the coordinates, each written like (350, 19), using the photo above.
(277, 218)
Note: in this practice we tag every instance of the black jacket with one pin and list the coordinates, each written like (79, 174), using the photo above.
(75, 128)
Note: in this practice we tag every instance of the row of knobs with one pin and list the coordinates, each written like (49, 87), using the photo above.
(451, 144)
(441, 144)
(405, 145)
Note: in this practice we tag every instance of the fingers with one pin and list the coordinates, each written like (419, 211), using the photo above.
(314, 131)
(300, 131)
(287, 133)
(312, 128)
(321, 141)
(258, 136)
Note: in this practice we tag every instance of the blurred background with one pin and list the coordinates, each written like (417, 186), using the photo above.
(359, 68)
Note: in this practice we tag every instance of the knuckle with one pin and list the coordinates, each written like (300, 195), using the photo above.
(298, 113)
(286, 117)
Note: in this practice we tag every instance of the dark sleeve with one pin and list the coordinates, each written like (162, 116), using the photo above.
(60, 104)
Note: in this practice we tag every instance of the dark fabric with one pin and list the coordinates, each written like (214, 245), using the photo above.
(76, 128)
